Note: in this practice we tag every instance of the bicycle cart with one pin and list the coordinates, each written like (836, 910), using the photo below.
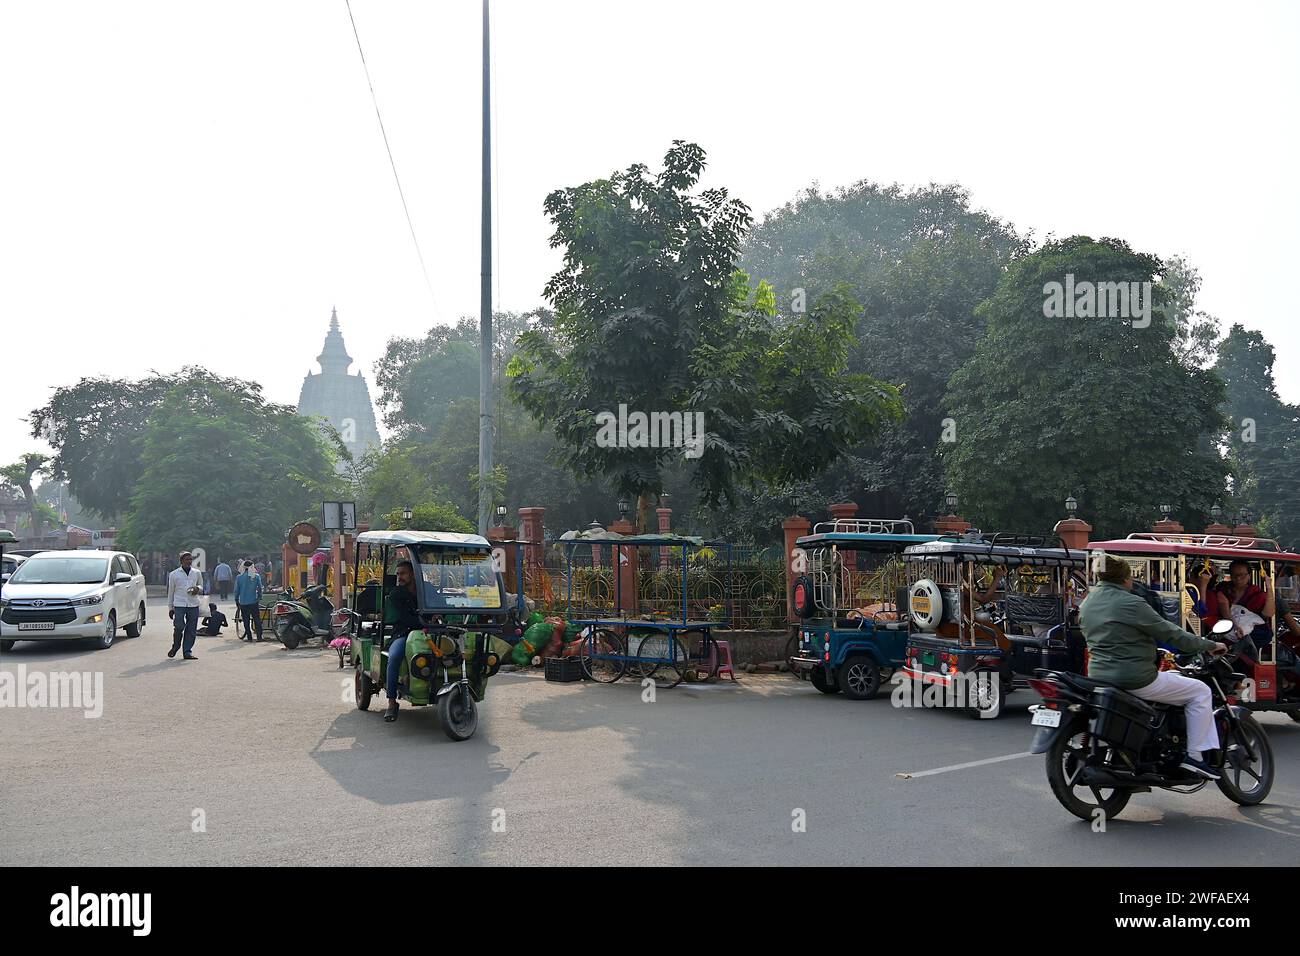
(652, 633)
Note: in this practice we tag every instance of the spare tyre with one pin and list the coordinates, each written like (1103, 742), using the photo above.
(925, 604)
(801, 596)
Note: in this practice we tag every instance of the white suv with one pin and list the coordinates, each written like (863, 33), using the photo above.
(72, 595)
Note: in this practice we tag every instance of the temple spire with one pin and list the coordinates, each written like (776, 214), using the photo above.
(334, 356)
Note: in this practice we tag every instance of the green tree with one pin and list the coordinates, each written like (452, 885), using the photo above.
(20, 475)
(1263, 435)
(1094, 407)
(430, 516)
(224, 469)
(920, 261)
(651, 313)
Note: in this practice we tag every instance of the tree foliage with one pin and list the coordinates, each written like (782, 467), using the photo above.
(650, 313)
(1094, 407)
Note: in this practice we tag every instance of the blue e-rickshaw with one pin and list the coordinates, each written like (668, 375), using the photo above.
(850, 595)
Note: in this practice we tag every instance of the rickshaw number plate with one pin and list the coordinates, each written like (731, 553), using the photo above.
(1046, 718)
(927, 657)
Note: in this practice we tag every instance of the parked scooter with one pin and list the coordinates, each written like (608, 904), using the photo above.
(313, 615)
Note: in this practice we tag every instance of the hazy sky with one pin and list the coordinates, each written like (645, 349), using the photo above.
(189, 182)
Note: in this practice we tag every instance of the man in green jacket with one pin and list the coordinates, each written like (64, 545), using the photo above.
(1122, 632)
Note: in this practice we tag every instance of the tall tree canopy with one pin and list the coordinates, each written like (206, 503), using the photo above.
(1263, 435)
(920, 261)
(651, 313)
(1094, 407)
(224, 469)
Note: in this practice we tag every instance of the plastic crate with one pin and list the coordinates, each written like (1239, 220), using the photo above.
(564, 669)
(1122, 720)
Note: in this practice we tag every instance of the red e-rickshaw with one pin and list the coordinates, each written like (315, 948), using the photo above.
(1169, 569)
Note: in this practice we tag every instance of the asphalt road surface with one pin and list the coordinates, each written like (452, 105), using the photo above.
(254, 754)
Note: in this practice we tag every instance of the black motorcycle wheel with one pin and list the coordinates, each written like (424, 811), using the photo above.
(458, 714)
(1065, 761)
(1257, 774)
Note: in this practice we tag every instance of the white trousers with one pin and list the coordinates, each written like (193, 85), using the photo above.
(1173, 688)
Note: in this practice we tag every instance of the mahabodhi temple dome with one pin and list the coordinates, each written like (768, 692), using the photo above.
(341, 399)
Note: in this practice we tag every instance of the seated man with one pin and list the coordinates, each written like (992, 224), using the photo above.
(213, 623)
(402, 610)
(1122, 632)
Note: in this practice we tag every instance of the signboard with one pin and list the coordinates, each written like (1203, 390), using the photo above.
(304, 537)
(339, 515)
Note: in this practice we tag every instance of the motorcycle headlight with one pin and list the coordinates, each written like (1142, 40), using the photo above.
(93, 599)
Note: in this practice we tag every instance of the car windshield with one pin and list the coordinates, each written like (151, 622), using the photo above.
(61, 571)
(457, 578)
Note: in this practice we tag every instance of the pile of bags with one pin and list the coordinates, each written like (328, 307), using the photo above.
(546, 637)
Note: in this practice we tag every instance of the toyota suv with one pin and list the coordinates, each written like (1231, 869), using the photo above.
(72, 595)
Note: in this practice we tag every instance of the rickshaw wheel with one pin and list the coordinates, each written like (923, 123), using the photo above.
(819, 680)
(662, 646)
(986, 695)
(603, 671)
(859, 677)
(1294, 715)
(458, 714)
(361, 688)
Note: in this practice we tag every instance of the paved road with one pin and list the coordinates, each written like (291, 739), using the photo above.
(261, 740)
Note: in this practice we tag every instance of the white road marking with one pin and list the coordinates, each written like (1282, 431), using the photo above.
(963, 766)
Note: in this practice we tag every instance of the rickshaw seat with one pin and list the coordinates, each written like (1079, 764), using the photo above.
(367, 602)
(1034, 609)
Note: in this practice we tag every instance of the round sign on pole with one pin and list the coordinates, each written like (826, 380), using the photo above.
(304, 537)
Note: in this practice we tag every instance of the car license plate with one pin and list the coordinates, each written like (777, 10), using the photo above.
(36, 626)
(1046, 718)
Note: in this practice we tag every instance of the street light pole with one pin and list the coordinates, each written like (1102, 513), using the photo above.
(485, 304)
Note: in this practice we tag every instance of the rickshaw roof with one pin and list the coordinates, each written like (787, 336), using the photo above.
(450, 538)
(956, 549)
(1211, 545)
(865, 541)
(613, 537)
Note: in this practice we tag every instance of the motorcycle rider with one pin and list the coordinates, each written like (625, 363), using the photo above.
(1122, 632)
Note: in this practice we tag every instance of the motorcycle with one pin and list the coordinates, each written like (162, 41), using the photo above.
(313, 615)
(1103, 744)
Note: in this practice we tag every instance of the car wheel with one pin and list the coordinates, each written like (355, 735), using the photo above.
(110, 632)
(135, 627)
(859, 677)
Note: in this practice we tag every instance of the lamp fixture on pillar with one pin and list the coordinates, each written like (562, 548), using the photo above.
(1244, 515)
(501, 514)
(950, 501)
(1166, 511)
(1071, 506)
(623, 508)
(1216, 512)
(406, 515)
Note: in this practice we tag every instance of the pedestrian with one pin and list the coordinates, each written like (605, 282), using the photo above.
(248, 592)
(213, 623)
(223, 577)
(184, 595)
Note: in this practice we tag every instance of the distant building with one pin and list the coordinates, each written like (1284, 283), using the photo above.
(341, 399)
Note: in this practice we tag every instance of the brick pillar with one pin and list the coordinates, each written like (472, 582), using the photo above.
(1168, 526)
(1217, 528)
(794, 527)
(623, 558)
(844, 511)
(503, 537)
(1073, 533)
(665, 516)
(1246, 531)
(532, 520)
(951, 524)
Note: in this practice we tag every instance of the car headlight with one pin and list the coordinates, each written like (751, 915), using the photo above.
(93, 599)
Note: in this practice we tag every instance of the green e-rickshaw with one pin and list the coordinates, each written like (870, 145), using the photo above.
(464, 616)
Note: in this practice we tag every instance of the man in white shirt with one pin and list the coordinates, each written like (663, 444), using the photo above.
(184, 594)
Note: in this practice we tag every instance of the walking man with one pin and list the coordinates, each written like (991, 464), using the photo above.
(223, 577)
(184, 595)
(248, 592)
